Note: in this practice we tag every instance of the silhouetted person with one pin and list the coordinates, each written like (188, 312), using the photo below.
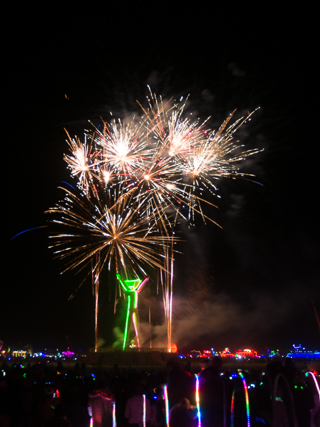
(77, 412)
(134, 408)
(183, 414)
(4, 402)
(83, 368)
(304, 401)
(180, 384)
(48, 405)
(280, 416)
(289, 369)
(59, 419)
(27, 409)
(212, 394)
(100, 404)
(158, 410)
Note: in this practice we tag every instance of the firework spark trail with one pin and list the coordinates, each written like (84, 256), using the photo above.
(80, 162)
(166, 279)
(95, 292)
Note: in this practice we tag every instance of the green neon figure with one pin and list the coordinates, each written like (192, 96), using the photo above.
(132, 289)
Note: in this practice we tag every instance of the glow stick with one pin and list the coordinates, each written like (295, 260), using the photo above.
(246, 396)
(114, 419)
(166, 402)
(198, 400)
(144, 411)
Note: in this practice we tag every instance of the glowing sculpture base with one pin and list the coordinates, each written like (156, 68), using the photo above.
(132, 289)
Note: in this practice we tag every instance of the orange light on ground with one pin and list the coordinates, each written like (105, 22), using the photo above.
(173, 348)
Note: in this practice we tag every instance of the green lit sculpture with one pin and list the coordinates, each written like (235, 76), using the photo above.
(132, 289)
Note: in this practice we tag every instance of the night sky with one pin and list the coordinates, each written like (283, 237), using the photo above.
(251, 284)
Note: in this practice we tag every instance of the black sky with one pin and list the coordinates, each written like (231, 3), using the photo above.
(250, 281)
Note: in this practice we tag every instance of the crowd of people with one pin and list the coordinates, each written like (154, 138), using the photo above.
(44, 396)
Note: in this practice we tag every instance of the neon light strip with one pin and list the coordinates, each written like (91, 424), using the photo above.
(135, 302)
(246, 396)
(141, 284)
(171, 293)
(127, 324)
(144, 411)
(134, 316)
(198, 400)
(232, 410)
(96, 308)
(166, 402)
(114, 419)
(121, 282)
(134, 319)
(315, 382)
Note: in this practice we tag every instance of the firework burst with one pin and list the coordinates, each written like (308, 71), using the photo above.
(122, 148)
(137, 178)
(125, 239)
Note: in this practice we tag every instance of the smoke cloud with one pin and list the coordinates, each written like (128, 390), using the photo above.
(223, 322)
